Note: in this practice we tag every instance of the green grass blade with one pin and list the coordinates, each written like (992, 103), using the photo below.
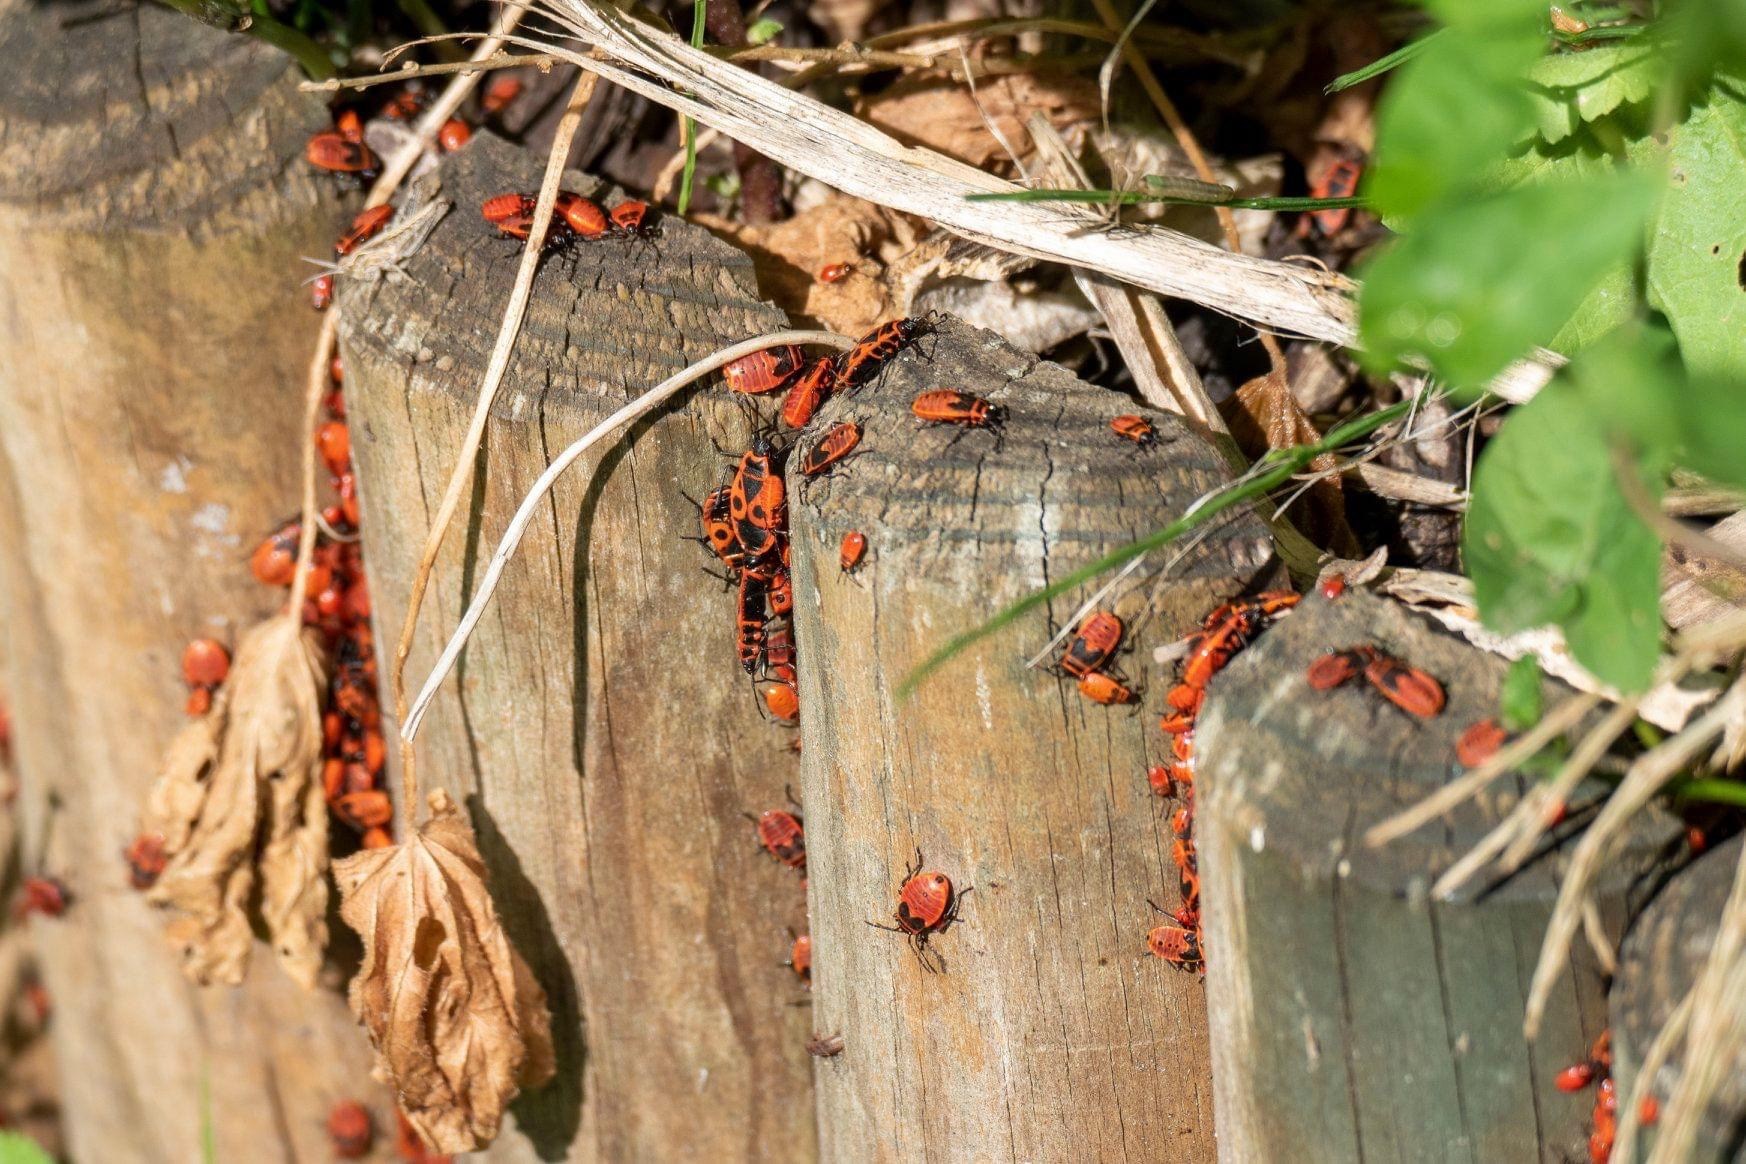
(1279, 467)
(1381, 65)
(690, 172)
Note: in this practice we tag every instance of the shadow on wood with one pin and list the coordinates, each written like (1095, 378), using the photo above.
(1051, 1035)
(598, 727)
(1352, 1017)
(154, 208)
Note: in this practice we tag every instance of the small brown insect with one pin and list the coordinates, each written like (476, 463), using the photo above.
(825, 1046)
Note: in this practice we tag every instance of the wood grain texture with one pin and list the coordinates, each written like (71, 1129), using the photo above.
(1052, 1035)
(1663, 955)
(599, 729)
(1352, 1018)
(153, 341)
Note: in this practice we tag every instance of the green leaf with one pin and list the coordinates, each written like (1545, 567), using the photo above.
(1568, 89)
(763, 31)
(1478, 284)
(1519, 703)
(1550, 539)
(1450, 112)
(1697, 248)
(16, 1149)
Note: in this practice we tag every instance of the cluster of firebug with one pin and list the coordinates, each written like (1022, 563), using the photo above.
(1597, 1070)
(1224, 632)
(745, 525)
(573, 217)
(1405, 686)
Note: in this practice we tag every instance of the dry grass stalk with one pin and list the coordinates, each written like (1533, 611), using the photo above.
(1552, 725)
(1162, 373)
(814, 139)
(256, 755)
(1631, 1109)
(494, 372)
(458, 1022)
(1645, 778)
(1516, 835)
(1716, 1040)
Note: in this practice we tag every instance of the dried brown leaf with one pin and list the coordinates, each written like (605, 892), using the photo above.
(941, 113)
(457, 1020)
(266, 728)
(790, 255)
(1264, 415)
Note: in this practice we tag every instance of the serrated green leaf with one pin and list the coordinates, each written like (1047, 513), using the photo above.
(1568, 89)
(1449, 113)
(1519, 700)
(1697, 248)
(1478, 284)
(16, 1149)
(1550, 539)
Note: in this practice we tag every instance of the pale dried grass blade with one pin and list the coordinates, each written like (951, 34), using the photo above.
(457, 1020)
(1646, 777)
(812, 138)
(1717, 1040)
(1630, 1112)
(1554, 724)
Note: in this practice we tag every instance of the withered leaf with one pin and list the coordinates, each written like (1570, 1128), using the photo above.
(1264, 415)
(266, 728)
(459, 1024)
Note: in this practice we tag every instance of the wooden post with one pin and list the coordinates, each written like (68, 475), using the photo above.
(1661, 961)
(1350, 1013)
(1051, 1035)
(599, 728)
(154, 338)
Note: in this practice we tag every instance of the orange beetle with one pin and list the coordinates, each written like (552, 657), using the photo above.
(499, 93)
(1135, 428)
(781, 594)
(863, 361)
(1176, 945)
(810, 390)
(718, 528)
(1093, 644)
(631, 217)
(853, 550)
(367, 809)
(950, 406)
(836, 444)
(365, 226)
(40, 895)
(334, 442)
(274, 562)
(205, 663)
(782, 701)
(349, 125)
(582, 215)
(835, 272)
(330, 151)
(1100, 688)
(764, 371)
(782, 836)
(454, 134)
(758, 501)
(321, 292)
(349, 1129)
(800, 958)
(927, 904)
(145, 860)
(1480, 742)
(1408, 688)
